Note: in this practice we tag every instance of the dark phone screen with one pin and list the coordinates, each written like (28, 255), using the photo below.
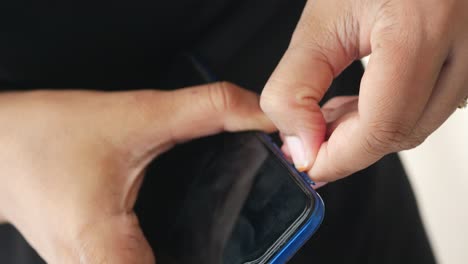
(224, 199)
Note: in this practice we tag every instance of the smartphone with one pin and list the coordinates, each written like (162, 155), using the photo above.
(230, 198)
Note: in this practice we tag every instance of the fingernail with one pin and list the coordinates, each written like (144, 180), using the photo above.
(297, 151)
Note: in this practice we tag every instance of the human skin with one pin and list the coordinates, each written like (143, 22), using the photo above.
(416, 77)
(72, 162)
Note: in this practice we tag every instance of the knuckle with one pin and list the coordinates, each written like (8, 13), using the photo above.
(271, 101)
(334, 37)
(412, 141)
(278, 98)
(416, 138)
(347, 35)
(339, 170)
(392, 37)
(267, 101)
(223, 96)
(370, 147)
(386, 136)
(409, 36)
(399, 28)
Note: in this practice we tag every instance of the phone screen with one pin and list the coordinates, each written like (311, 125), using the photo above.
(224, 199)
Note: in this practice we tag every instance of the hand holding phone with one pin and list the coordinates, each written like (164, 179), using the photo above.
(230, 198)
(72, 163)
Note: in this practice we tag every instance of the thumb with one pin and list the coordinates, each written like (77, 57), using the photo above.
(113, 239)
(291, 97)
(167, 118)
(213, 108)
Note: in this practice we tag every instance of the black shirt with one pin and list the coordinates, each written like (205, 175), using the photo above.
(371, 217)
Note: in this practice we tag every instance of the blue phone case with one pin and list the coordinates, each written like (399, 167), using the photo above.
(303, 234)
(300, 237)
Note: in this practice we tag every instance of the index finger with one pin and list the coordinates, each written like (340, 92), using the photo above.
(292, 95)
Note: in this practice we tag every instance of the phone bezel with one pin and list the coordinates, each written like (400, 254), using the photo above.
(293, 239)
(305, 225)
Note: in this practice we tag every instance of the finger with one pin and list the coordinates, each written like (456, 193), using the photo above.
(214, 108)
(287, 156)
(394, 92)
(338, 101)
(344, 107)
(166, 118)
(335, 111)
(332, 111)
(450, 90)
(111, 239)
(339, 106)
(285, 149)
(315, 56)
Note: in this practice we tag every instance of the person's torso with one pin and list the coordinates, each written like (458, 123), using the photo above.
(107, 44)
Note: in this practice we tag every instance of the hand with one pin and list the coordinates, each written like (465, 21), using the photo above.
(416, 77)
(72, 163)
